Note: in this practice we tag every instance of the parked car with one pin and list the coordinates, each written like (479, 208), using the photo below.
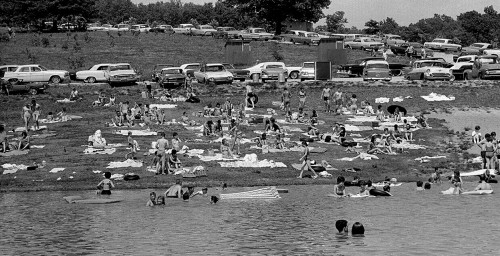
(273, 71)
(107, 27)
(32, 88)
(429, 70)
(256, 34)
(257, 69)
(476, 48)
(67, 27)
(363, 43)
(203, 30)
(155, 77)
(238, 74)
(462, 67)
(440, 59)
(121, 73)
(7, 68)
(486, 67)
(356, 69)
(189, 69)
(96, 73)
(94, 27)
(290, 35)
(492, 52)
(184, 29)
(390, 39)
(167, 29)
(35, 73)
(401, 48)
(441, 44)
(308, 71)
(325, 34)
(213, 73)
(140, 28)
(120, 28)
(308, 38)
(225, 32)
(377, 70)
(171, 77)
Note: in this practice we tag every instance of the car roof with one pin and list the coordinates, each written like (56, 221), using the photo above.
(116, 64)
(5, 66)
(104, 64)
(377, 62)
(487, 56)
(427, 60)
(169, 68)
(214, 64)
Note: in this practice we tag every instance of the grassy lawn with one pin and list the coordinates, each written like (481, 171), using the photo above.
(143, 51)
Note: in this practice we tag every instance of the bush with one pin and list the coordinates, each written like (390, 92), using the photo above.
(4, 37)
(45, 42)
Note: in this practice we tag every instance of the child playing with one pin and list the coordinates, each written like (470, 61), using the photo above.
(218, 128)
(225, 149)
(285, 99)
(217, 110)
(262, 141)
(341, 226)
(24, 141)
(152, 199)
(160, 200)
(134, 146)
(476, 135)
(314, 116)
(208, 128)
(173, 161)
(61, 116)
(50, 117)
(302, 98)
(408, 131)
(106, 184)
(380, 113)
(280, 141)
(176, 142)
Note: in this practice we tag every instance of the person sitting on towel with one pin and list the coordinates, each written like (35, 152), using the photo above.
(74, 95)
(173, 161)
(208, 128)
(372, 148)
(274, 126)
(483, 185)
(422, 120)
(106, 184)
(96, 140)
(380, 113)
(313, 131)
(218, 128)
(24, 141)
(62, 116)
(267, 125)
(280, 141)
(175, 191)
(4, 145)
(262, 140)
(225, 149)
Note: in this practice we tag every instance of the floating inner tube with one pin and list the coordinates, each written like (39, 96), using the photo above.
(378, 192)
(256, 98)
(128, 177)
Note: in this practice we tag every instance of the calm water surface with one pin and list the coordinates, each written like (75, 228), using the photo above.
(302, 222)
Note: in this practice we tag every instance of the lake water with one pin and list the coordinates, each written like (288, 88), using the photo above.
(301, 222)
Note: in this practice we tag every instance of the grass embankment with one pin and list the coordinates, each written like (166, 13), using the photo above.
(65, 149)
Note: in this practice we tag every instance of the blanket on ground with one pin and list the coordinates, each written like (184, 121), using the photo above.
(13, 168)
(126, 163)
(101, 151)
(56, 170)
(363, 156)
(162, 106)
(136, 132)
(14, 153)
(438, 97)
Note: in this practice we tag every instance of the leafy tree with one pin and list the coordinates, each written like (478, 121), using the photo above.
(372, 27)
(389, 26)
(275, 12)
(335, 22)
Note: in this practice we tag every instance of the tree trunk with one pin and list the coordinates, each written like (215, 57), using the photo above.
(278, 27)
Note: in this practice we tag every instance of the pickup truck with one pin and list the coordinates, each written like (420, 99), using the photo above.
(441, 44)
(492, 52)
(184, 29)
(486, 67)
(257, 70)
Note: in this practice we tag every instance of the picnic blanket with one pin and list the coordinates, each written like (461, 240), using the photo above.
(65, 100)
(14, 153)
(13, 168)
(382, 100)
(437, 97)
(354, 128)
(363, 156)
(407, 145)
(126, 163)
(100, 151)
(67, 118)
(56, 170)
(216, 157)
(427, 158)
(250, 160)
(162, 106)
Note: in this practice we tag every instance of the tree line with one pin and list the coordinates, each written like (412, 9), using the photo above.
(469, 27)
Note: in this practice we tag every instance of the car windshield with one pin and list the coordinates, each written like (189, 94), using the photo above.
(431, 64)
(308, 65)
(377, 65)
(465, 59)
(206, 27)
(170, 71)
(259, 30)
(312, 35)
(162, 66)
(438, 41)
(228, 66)
(119, 67)
(214, 68)
(477, 45)
(43, 68)
(192, 67)
(274, 66)
(394, 37)
(488, 60)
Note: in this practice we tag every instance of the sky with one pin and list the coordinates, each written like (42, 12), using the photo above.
(403, 12)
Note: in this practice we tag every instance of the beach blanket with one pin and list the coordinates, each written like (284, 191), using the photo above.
(354, 128)
(100, 151)
(65, 100)
(117, 176)
(479, 172)
(195, 128)
(126, 163)
(382, 100)
(175, 99)
(215, 157)
(263, 193)
(291, 129)
(398, 99)
(250, 160)
(14, 153)
(407, 145)
(162, 106)
(438, 97)
(13, 168)
(387, 121)
(427, 158)
(195, 171)
(363, 156)
(37, 146)
(67, 118)
(41, 127)
(242, 141)
(56, 170)
(136, 132)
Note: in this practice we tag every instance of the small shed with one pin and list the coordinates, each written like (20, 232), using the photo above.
(238, 52)
(332, 50)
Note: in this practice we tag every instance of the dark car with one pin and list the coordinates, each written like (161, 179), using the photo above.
(19, 87)
(238, 74)
(401, 49)
(171, 77)
(356, 69)
(486, 67)
(155, 77)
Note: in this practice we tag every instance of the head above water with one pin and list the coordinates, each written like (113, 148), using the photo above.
(341, 226)
(420, 183)
(214, 199)
(358, 229)
(427, 185)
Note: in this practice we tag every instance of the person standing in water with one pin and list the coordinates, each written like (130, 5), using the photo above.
(175, 191)
(106, 184)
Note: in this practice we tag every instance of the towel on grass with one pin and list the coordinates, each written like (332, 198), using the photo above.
(13, 168)
(136, 132)
(14, 153)
(101, 151)
(162, 106)
(65, 100)
(250, 160)
(438, 97)
(56, 170)
(407, 145)
(363, 156)
(126, 163)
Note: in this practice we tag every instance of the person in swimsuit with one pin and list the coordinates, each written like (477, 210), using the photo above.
(285, 99)
(341, 226)
(483, 185)
(226, 150)
(133, 146)
(325, 94)
(306, 162)
(173, 161)
(408, 131)
(27, 116)
(176, 142)
(161, 146)
(73, 95)
(106, 184)
(354, 105)
(250, 98)
(175, 191)
(4, 145)
(339, 189)
(302, 98)
(24, 141)
(337, 97)
(152, 199)
(489, 149)
(357, 229)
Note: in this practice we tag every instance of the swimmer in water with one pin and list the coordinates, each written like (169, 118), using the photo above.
(341, 226)
(152, 199)
(175, 191)
(339, 189)
(160, 200)
(419, 185)
(214, 199)
(357, 229)
(106, 184)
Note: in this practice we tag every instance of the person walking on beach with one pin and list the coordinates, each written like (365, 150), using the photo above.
(306, 162)
(325, 94)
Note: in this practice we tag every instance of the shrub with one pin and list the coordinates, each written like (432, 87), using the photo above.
(4, 37)
(45, 42)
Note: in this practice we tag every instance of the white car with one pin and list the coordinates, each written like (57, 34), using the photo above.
(121, 73)
(213, 73)
(189, 69)
(203, 30)
(8, 68)
(36, 73)
(492, 52)
(441, 44)
(308, 71)
(256, 70)
(260, 33)
(462, 64)
(363, 43)
(120, 28)
(96, 73)
(94, 27)
(184, 29)
(140, 27)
